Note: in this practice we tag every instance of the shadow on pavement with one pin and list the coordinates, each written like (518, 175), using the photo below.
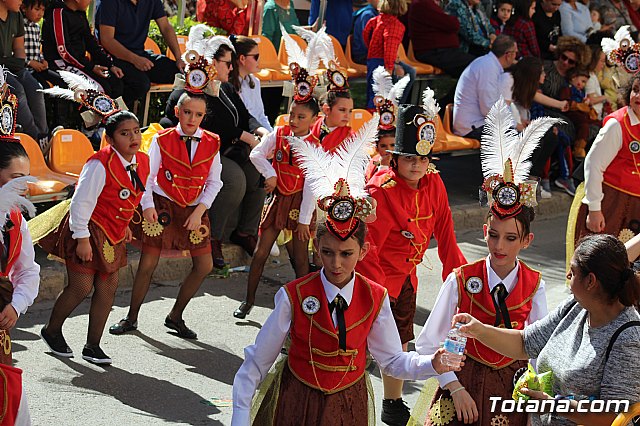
(159, 398)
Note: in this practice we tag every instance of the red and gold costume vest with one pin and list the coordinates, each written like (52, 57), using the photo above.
(314, 356)
(182, 180)
(15, 241)
(118, 200)
(334, 138)
(290, 177)
(623, 173)
(481, 306)
(11, 397)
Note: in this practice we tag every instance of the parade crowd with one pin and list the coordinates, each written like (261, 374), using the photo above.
(551, 89)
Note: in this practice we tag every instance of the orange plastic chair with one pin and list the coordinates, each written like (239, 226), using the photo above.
(420, 67)
(412, 58)
(282, 120)
(352, 64)
(358, 118)
(151, 45)
(271, 68)
(51, 186)
(182, 43)
(446, 141)
(283, 58)
(70, 150)
(345, 64)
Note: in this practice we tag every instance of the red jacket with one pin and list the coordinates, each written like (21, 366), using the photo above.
(289, 175)
(622, 173)
(181, 179)
(480, 305)
(315, 357)
(407, 218)
(15, 242)
(332, 140)
(118, 200)
(431, 28)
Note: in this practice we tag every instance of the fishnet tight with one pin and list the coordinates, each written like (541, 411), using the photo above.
(80, 284)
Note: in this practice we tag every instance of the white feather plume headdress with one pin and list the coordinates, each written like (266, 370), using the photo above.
(506, 159)
(11, 198)
(622, 50)
(337, 179)
(429, 104)
(89, 94)
(387, 96)
(304, 64)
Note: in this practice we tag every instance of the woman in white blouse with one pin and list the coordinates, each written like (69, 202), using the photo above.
(247, 85)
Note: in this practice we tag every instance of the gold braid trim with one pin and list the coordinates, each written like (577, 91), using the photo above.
(333, 368)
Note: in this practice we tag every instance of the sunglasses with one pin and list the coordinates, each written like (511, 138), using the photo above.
(229, 63)
(255, 56)
(565, 58)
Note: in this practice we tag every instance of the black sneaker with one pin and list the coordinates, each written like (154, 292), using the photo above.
(95, 355)
(57, 344)
(395, 412)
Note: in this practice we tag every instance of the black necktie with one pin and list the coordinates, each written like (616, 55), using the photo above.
(187, 143)
(4, 247)
(340, 305)
(135, 179)
(324, 131)
(502, 312)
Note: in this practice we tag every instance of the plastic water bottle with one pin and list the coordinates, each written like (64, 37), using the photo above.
(454, 347)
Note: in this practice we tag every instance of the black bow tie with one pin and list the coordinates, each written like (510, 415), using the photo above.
(340, 305)
(500, 305)
(135, 179)
(187, 142)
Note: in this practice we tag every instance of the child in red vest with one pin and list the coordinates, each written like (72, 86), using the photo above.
(183, 183)
(386, 100)
(412, 208)
(92, 236)
(292, 206)
(19, 273)
(332, 316)
(481, 288)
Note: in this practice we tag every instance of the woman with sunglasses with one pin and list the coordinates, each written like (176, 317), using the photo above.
(242, 195)
(241, 76)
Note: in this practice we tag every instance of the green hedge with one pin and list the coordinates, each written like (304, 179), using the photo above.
(155, 35)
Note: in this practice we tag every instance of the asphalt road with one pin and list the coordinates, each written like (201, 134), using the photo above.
(158, 378)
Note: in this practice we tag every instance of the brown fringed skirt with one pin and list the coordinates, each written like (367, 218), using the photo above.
(173, 236)
(481, 382)
(107, 258)
(283, 212)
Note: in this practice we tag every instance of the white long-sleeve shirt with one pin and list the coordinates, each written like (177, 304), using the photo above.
(604, 149)
(90, 184)
(212, 185)
(383, 342)
(260, 156)
(446, 306)
(25, 274)
(252, 99)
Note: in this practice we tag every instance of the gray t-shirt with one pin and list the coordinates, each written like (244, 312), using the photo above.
(564, 343)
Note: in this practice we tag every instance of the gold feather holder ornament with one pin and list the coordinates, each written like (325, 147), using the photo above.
(622, 50)
(303, 83)
(336, 80)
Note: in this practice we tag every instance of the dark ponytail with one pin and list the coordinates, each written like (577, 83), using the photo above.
(606, 257)
(9, 151)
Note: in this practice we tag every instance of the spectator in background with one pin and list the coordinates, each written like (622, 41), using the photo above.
(360, 19)
(521, 28)
(547, 22)
(122, 28)
(434, 35)
(278, 12)
(32, 12)
(66, 40)
(593, 88)
(383, 34)
(570, 52)
(501, 15)
(31, 110)
(476, 32)
(580, 111)
(479, 87)
(337, 18)
(622, 15)
(248, 87)
(229, 15)
(576, 19)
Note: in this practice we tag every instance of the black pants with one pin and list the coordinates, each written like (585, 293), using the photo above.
(543, 152)
(452, 61)
(137, 83)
